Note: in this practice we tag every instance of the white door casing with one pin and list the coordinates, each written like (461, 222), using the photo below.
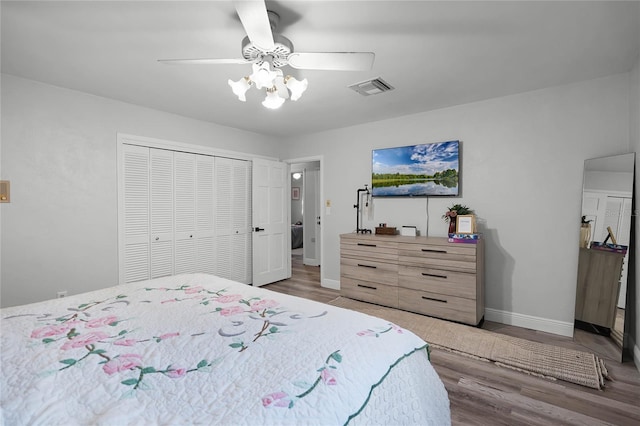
(271, 230)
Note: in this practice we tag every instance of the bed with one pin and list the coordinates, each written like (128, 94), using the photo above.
(296, 236)
(199, 349)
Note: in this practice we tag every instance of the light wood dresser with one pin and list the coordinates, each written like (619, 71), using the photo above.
(426, 275)
(598, 287)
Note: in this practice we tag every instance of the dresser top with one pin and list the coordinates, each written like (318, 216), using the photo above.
(405, 239)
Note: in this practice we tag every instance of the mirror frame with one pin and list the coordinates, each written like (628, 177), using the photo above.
(602, 177)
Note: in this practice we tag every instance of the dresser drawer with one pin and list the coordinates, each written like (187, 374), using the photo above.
(460, 257)
(438, 305)
(369, 270)
(452, 283)
(368, 249)
(369, 292)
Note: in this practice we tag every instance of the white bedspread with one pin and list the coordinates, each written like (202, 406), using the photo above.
(198, 349)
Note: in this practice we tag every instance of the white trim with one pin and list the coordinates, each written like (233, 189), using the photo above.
(124, 138)
(636, 352)
(332, 284)
(620, 194)
(311, 262)
(527, 321)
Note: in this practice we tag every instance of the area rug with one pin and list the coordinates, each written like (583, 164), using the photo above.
(552, 362)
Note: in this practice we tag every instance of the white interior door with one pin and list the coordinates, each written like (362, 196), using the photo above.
(271, 230)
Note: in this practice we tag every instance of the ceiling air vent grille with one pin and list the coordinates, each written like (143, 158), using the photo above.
(371, 87)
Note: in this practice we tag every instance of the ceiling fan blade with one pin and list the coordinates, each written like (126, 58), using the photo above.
(203, 61)
(255, 20)
(340, 61)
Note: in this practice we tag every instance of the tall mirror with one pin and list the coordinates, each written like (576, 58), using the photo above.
(605, 237)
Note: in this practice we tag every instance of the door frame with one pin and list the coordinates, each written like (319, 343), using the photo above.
(319, 158)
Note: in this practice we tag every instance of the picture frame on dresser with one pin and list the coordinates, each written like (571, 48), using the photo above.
(466, 224)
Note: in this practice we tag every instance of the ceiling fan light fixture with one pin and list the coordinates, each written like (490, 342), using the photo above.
(240, 87)
(262, 75)
(296, 87)
(272, 101)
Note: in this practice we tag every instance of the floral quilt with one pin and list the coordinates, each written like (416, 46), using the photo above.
(196, 349)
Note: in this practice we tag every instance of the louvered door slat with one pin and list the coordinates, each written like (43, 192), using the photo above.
(135, 255)
(161, 214)
(205, 244)
(185, 212)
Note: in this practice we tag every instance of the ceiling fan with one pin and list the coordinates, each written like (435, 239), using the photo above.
(265, 49)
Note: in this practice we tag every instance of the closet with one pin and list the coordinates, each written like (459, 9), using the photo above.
(183, 212)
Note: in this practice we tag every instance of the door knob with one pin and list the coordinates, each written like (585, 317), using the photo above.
(258, 229)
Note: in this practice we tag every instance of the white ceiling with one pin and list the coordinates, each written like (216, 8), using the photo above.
(435, 54)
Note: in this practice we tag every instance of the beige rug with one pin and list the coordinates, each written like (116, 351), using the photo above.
(519, 354)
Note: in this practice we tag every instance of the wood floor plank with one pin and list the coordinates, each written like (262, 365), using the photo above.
(482, 393)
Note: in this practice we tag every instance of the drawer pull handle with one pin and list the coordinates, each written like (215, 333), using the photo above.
(367, 266)
(367, 245)
(435, 300)
(434, 251)
(424, 274)
(367, 286)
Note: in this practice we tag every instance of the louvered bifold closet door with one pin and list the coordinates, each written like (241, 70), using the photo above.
(162, 218)
(232, 219)
(135, 213)
(205, 230)
(185, 212)
(241, 237)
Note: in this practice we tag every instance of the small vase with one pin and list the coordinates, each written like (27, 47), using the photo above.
(452, 226)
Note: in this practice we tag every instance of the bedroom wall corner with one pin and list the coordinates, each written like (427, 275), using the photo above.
(59, 151)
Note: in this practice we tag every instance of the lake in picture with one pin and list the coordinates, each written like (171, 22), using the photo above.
(414, 190)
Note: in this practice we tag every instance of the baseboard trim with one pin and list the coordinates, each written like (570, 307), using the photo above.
(636, 352)
(527, 321)
(332, 284)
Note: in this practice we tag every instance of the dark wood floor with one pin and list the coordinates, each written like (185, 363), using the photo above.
(482, 393)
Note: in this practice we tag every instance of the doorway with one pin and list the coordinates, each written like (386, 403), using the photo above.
(306, 215)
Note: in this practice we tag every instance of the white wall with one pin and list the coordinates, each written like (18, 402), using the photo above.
(59, 150)
(522, 165)
(634, 142)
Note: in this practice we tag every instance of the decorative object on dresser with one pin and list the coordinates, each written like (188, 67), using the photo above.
(360, 206)
(450, 216)
(383, 229)
(409, 231)
(426, 275)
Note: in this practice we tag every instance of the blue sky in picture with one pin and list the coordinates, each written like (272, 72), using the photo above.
(417, 159)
